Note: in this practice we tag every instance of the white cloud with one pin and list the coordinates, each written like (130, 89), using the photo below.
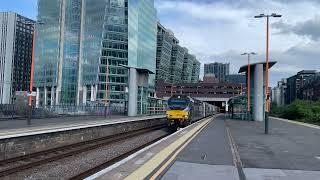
(203, 11)
(222, 30)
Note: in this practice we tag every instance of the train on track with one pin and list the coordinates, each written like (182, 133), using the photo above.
(183, 110)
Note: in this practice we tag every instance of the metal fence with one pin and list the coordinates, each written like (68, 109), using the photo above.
(156, 110)
(15, 111)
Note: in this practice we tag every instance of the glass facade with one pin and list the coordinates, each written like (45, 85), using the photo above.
(177, 59)
(93, 21)
(187, 67)
(114, 52)
(82, 44)
(142, 35)
(47, 52)
(71, 50)
(220, 70)
(173, 61)
(142, 40)
(164, 52)
(195, 71)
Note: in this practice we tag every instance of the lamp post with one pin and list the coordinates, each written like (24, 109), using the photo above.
(34, 24)
(248, 84)
(266, 128)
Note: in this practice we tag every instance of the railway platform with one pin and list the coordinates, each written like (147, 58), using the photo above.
(17, 128)
(220, 148)
(55, 133)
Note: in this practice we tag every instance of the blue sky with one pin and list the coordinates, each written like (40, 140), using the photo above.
(26, 8)
(221, 30)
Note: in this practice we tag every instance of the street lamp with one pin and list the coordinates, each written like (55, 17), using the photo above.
(266, 128)
(34, 24)
(249, 83)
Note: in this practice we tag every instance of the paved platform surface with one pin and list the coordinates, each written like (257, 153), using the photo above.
(13, 128)
(141, 164)
(290, 152)
(208, 156)
(288, 146)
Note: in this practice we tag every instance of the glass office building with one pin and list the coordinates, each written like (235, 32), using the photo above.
(220, 70)
(195, 71)
(173, 61)
(187, 67)
(177, 60)
(83, 44)
(15, 55)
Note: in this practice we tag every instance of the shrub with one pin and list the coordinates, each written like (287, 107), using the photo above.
(306, 111)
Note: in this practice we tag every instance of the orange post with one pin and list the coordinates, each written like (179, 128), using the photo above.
(32, 66)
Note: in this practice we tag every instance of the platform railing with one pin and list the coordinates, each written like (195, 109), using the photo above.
(15, 111)
(156, 110)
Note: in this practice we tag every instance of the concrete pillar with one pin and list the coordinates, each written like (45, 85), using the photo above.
(45, 96)
(204, 109)
(52, 96)
(84, 95)
(92, 93)
(227, 106)
(57, 95)
(258, 93)
(37, 97)
(79, 91)
(141, 101)
(95, 92)
(133, 93)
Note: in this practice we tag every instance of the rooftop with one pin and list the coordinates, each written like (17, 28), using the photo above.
(245, 67)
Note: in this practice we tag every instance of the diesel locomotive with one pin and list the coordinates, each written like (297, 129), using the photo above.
(183, 110)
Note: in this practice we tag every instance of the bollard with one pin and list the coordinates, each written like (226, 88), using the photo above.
(266, 123)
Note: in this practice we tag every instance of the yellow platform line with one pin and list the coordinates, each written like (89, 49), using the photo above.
(145, 170)
(297, 122)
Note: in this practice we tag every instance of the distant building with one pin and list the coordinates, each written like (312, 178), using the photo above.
(173, 61)
(200, 89)
(294, 83)
(15, 54)
(177, 59)
(187, 67)
(310, 91)
(236, 78)
(195, 71)
(213, 93)
(220, 70)
(210, 78)
(165, 43)
(279, 93)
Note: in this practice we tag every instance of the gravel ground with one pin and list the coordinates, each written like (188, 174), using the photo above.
(71, 166)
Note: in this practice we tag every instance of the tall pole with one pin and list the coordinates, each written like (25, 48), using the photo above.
(249, 86)
(267, 108)
(266, 130)
(32, 65)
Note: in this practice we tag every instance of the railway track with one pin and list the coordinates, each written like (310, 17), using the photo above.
(18, 164)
